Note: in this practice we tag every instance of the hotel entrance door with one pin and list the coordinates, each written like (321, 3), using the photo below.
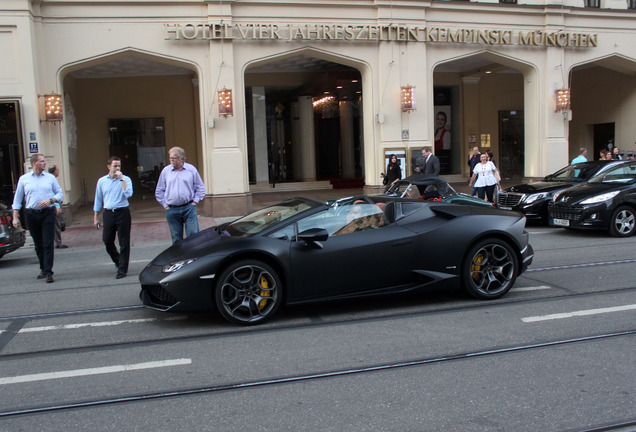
(141, 145)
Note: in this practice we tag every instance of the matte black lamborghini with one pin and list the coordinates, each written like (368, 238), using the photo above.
(302, 251)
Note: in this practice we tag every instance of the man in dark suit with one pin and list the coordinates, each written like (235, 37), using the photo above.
(428, 164)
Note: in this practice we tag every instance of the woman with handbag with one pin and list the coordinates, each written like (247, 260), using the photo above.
(393, 171)
(485, 176)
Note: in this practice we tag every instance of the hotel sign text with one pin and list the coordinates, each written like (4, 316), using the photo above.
(376, 33)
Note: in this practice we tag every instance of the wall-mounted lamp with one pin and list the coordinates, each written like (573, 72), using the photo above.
(52, 110)
(562, 97)
(225, 103)
(408, 98)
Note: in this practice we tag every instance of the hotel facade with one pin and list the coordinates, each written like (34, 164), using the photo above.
(264, 95)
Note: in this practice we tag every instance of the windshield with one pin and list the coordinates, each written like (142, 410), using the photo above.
(260, 220)
(578, 172)
(619, 174)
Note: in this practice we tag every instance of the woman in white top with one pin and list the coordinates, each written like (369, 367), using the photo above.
(485, 177)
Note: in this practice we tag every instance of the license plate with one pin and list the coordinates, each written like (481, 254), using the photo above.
(561, 222)
(505, 208)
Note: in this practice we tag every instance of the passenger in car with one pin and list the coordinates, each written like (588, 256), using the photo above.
(362, 216)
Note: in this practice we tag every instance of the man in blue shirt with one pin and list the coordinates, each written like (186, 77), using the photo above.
(581, 157)
(179, 190)
(111, 194)
(41, 191)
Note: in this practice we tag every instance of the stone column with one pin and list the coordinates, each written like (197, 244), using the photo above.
(347, 156)
(259, 119)
(307, 139)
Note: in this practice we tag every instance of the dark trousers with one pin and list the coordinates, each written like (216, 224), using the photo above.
(117, 222)
(42, 229)
(58, 229)
(486, 191)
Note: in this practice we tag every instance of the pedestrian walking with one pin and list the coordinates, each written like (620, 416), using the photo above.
(40, 191)
(60, 217)
(111, 195)
(179, 190)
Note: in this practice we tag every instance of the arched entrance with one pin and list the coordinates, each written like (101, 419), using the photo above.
(304, 121)
(482, 98)
(131, 104)
(603, 100)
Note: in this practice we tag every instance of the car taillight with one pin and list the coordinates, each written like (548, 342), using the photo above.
(5, 220)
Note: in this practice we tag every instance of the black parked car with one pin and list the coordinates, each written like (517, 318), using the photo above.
(532, 198)
(302, 250)
(607, 202)
(10, 238)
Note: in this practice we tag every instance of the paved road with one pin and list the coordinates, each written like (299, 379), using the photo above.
(555, 354)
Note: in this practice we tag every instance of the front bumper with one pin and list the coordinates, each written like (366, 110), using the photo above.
(593, 216)
(175, 292)
(536, 210)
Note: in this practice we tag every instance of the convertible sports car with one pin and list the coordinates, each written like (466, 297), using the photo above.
(302, 250)
(10, 238)
(432, 188)
(532, 198)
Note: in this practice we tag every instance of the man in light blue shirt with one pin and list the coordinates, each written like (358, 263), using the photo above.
(41, 191)
(581, 157)
(111, 194)
(179, 190)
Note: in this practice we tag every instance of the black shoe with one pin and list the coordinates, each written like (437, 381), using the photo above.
(61, 246)
(41, 275)
(49, 278)
(120, 275)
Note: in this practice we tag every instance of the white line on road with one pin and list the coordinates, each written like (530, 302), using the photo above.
(578, 313)
(536, 288)
(96, 324)
(94, 371)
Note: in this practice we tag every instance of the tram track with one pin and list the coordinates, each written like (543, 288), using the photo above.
(49, 315)
(317, 375)
(267, 329)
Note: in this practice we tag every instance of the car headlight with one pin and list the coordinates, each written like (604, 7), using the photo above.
(173, 267)
(532, 198)
(601, 198)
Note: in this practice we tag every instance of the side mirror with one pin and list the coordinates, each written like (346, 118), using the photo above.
(313, 237)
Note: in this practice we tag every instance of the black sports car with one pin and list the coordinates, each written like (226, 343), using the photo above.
(301, 251)
(10, 238)
(532, 198)
(607, 202)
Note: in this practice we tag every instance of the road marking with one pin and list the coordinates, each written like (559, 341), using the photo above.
(96, 324)
(536, 288)
(94, 371)
(578, 313)
(129, 262)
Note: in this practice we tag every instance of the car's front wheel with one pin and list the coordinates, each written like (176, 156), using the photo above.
(248, 292)
(489, 269)
(623, 222)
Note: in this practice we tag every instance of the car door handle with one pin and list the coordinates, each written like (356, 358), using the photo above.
(402, 242)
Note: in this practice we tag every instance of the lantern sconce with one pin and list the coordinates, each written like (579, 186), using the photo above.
(407, 98)
(225, 103)
(562, 99)
(52, 109)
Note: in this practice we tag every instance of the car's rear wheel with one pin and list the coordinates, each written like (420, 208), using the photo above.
(623, 222)
(489, 269)
(248, 292)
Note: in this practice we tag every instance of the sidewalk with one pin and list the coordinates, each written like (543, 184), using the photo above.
(149, 223)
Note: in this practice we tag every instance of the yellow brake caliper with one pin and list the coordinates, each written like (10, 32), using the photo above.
(264, 292)
(476, 267)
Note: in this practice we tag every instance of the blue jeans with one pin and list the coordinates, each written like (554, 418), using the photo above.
(180, 217)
